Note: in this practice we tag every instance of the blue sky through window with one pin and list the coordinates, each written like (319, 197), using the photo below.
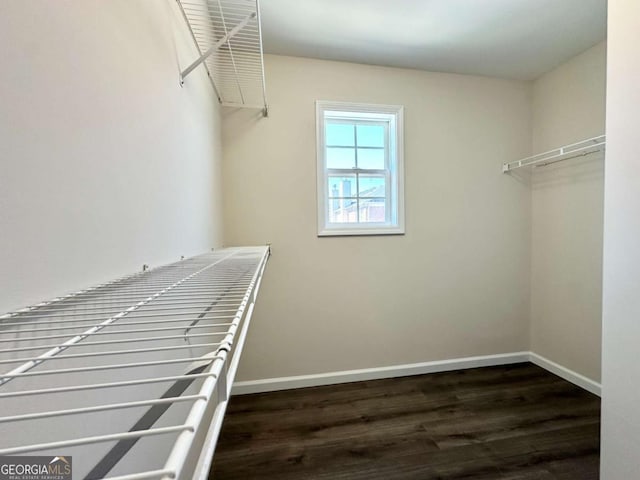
(370, 135)
(343, 135)
(340, 134)
(341, 140)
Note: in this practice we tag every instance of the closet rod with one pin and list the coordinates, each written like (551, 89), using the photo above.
(567, 152)
(99, 386)
(94, 439)
(54, 316)
(185, 337)
(115, 366)
(110, 298)
(110, 301)
(30, 323)
(117, 332)
(111, 305)
(101, 408)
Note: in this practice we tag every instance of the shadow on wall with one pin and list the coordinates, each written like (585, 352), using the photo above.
(522, 176)
(248, 116)
(579, 170)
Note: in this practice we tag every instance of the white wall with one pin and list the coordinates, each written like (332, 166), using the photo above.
(456, 285)
(621, 304)
(105, 162)
(567, 209)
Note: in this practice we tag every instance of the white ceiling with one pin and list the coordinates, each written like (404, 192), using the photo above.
(519, 39)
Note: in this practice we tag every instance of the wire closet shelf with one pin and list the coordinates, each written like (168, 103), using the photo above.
(130, 378)
(567, 152)
(228, 37)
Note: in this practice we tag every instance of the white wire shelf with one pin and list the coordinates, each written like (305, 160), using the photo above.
(130, 378)
(567, 152)
(228, 37)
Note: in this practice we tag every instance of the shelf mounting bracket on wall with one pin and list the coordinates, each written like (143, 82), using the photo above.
(574, 150)
(228, 37)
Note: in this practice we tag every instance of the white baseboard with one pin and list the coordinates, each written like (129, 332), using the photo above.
(569, 375)
(346, 376)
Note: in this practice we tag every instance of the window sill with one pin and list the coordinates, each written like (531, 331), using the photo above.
(340, 232)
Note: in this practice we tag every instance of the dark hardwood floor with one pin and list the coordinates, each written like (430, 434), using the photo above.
(514, 422)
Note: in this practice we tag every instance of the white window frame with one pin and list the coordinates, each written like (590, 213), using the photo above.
(392, 117)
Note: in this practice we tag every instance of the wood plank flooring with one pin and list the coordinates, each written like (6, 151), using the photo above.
(515, 422)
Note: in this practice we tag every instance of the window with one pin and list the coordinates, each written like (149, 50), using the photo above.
(360, 175)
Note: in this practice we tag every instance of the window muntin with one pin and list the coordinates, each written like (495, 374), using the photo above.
(359, 169)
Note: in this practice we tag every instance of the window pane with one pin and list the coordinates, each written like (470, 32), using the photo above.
(359, 169)
(370, 135)
(339, 134)
(372, 159)
(371, 186)
(344, 186)
(343, 210)
(373, 210)
(341, 157)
